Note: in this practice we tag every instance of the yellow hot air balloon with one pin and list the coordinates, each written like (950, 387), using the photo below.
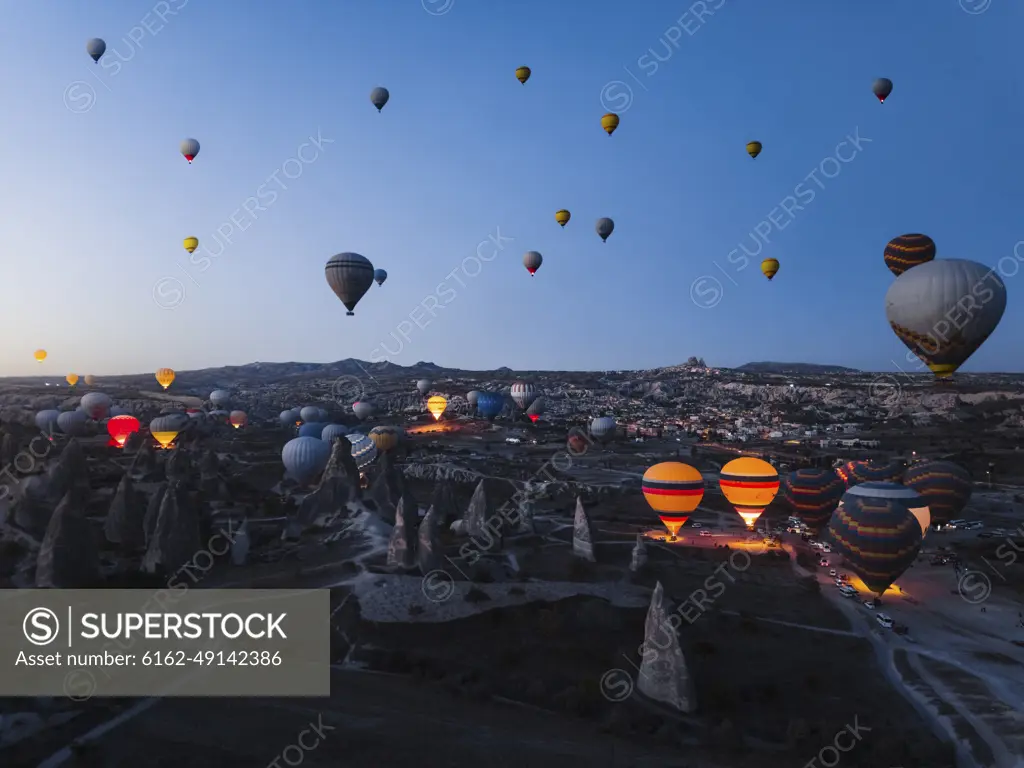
(89, 379)
(71, 379)
(754, 148)
(165, 376)
(164, 438)
(436, 406)
(673, 490)
(750, 485)
(769, 267)
(385, 438)
(610, 122)
(562, 217)
(39, 355)
(191, 243)
(522, 74)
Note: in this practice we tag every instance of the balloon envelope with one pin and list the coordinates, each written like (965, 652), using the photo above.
(39, 355)
(364, 450)
(95, 48)
(238, 419)
(350, 276)
(471, 397)
(754, 148)
(882, 87)
(120, 427)
(220, 397)
(906, 251)
(423, 386)
(857, 472)
(602, 427)
(604, 228)
(814, 495)
(750, 485)
(522, 74)
(71, 379)
(362, 409)
(769, 268)
(164, 376)
(72, 423)
(312, 429)
(305, 457)
(673, 490)
(532, 261)
(47, 420)
(332, 432)
(385, 438)
(190, 148)
(945, 486)
(309, 413)
(96, 405)
(562, 217)
(379, 97)
(610, 122)
(436, 406)
(523, 394)
(380, 276)
(489, 404)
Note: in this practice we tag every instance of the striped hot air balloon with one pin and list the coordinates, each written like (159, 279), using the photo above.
(858, 472)
(364, 450)
(673, 490)
(750, 485)
(906, 251)
(875, 531)
(385, 438)
(944, 485)
(814, 495)
(524, 394)
(603, 428)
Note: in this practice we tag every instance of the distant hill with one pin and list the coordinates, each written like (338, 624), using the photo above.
(795, 368)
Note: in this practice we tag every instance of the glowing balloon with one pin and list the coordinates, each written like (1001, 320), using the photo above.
(536, 409)
(562, 217)
(436, 406)
(190, 243)
(164, 377)
(610, 122)
(750, 485)
(71, 379)
(164, 429)
(120, 427)
(673, 490)
(39, 355)
(238, 419)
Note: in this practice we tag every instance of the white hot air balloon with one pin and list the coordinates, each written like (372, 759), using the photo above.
(423, 386)
(523, 393)
(362, 409)
(603, 427)
(47, 420)
(305, 458)
(220, 398)
(96, 405)
(471, 398)
(309, 413)
(189, 149)
(72, 423)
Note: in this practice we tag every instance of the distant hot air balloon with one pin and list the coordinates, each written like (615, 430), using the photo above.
(39, 355)
(471, 397)
(305, 458)
(379, 97)
(673, 490)
(610, 122)
(312, 429)
(604, 228)
(96, 405)
(857, 472)
(882, 87)
(423, 386)
(71, 379)
(332, 432)
(436, 406)
(72, 423)
(309, 413)
(164, 429)
(562, 217)
(190, 243)
(489, 404)
(220, 397)
(532, 261)
(238, 419)
(120, 427)
(603, 428)
(89, 380)
(906, 251)
(814, 495)
(364, 450)
(380, 276)
(350, 277)
(385, 438)
(95, 48)
(536, 409)
(287, 418)
(926, 309)
(750, 485)
(522, 74)
(523, 393)
(945, 486)
(754, 148)
(577, 442)
(164, 376)
(362, 409)
(190, 148)
(878, 536)
(769, 267)
(47, 420)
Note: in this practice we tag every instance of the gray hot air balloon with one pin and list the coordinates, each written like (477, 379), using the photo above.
(379, 97)
(380, 276)
(423, 386)
(471, 398)
(190, 148)
(362, 409)
(350, 277)
(603, 427)
(47, 420)
(332, 432)
(96, 405)
(95, 48)
(72, 422)
(220, 397)
(882, 87)
(312, 429)
(286, 418)
(943, 310)
(604, 228)
(322, 415)
(536, 408)
(532, 261)
(309, 413)
(305, 457)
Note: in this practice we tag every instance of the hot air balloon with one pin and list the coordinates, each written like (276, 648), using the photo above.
(89, 380)
(350, 277)
(305, 458)
(95, 48)
(522, 74)
(238, 419)
(312, 429)
(72, 423)
(423, 386)
(489, 404)
(362, 409)
(857, 472)
(380, 276)
(120, 427)
(39, 355)
(562, 217)
(673, 490)
(943, 310)
(753, 148)
(96, 405)
(164, 377)
(577, 442)
(219, 415)
(190, 243)
(906, 251)
(882, 87)
(385, 438)
(877, 535)
(471, 397)
(71, 379)
(603, 428)
(47, 420)
(532, 261)
(286, 418)
(379, 97)
(536, 409)
(610, 122)
(220, 397)
(190, 148)
(750, 485)
(814, 495)
(523, 393)
(769, 267)
(364, 451)
(436, 406)
(309, 413)
(946, 487)
(332, 432)
(322, 415)
(165, 428)
(910, 498)
(604, 228)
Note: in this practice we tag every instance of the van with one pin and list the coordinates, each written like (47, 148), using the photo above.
(847, 591)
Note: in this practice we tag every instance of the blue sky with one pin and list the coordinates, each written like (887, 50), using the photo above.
(97, 201)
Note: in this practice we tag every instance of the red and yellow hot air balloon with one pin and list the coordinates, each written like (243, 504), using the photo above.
(71, 379)
(673, 490)
(750, 485)
(436, 406)
(39, 355)
(120, 427)
(238, 419)
(164, 376)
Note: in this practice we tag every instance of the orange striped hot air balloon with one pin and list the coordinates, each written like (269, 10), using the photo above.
(164, 377)
(673, 490)
(750, 485)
